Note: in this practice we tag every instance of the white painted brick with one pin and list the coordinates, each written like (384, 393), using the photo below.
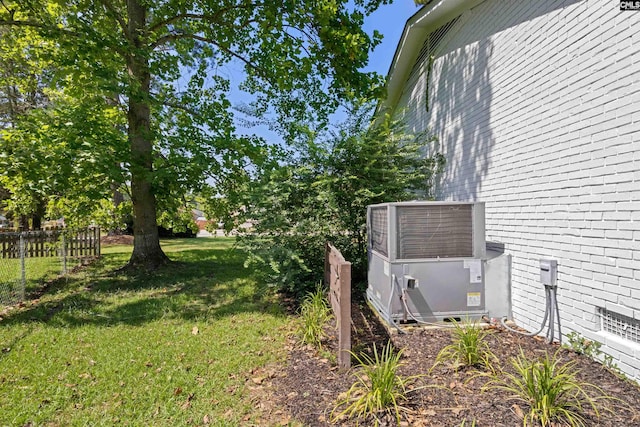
(619, 345)
(619, 272)
(544, 126)
(630, 302)
(620, 309)
(618, 253)
(592, 335)
(632, 284)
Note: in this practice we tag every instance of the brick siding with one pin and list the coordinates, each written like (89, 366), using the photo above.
(537, 108)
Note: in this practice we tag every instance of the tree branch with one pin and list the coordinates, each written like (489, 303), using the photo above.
(182, 107)
(34, 24)
(10, 11)
(201, 17)
(175, 37)
(115, 15)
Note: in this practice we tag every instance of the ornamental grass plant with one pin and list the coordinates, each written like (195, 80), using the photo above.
(378, 390)
(551, 390)
(315, 313)
(469, 347)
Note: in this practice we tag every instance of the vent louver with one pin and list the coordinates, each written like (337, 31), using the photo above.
(431, 44)
(436, 231)
(379, 232)
(620, 325)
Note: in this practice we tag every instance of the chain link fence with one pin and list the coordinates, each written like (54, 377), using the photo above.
(29, 259)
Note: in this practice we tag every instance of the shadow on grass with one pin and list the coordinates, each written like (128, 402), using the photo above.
(199, 284)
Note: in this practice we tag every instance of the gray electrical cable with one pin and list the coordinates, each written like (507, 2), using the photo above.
(555, 298)
(390, 319)
(551, 303)
(403, 298)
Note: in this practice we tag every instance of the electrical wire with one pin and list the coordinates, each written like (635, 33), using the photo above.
(403, 298)
(551, 304)
(390, 319)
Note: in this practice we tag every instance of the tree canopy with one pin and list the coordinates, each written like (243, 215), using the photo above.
(139, 90)
(321, 194)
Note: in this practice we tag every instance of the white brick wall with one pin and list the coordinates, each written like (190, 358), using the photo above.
(537, 108)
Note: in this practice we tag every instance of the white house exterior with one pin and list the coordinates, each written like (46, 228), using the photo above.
(536, 105)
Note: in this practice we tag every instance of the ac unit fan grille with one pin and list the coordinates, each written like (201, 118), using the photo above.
(379, 232)
(434, 231)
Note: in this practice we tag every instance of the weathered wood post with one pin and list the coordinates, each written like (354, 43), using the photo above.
(338, 276)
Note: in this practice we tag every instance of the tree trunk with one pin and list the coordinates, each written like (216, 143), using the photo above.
(38, 214)
(117, 198)
(23, 223)
(147, 253)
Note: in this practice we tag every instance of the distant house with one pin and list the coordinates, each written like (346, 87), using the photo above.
(536, 105)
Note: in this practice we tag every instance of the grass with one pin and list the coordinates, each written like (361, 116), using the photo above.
(551, 390)
(378, 387)
(37, 271)
(172, 348)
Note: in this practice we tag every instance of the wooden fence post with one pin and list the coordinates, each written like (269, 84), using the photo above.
(338, 275)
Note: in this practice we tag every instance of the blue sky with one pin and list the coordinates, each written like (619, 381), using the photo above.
(389, 20)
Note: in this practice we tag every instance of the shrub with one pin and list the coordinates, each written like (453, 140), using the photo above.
(321, 192)
(581, 345)
(469, 347)
(551, 389)
(378, 387)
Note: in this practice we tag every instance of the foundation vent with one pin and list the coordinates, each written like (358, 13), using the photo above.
(619, 324)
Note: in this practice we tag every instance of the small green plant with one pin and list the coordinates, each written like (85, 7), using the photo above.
(315, 313)
(469, 347)
(551, 389)
(378, 387)
(581, 345)
(464, 423)
(591, 349)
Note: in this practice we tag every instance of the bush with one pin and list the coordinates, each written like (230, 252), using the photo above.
(321, 193)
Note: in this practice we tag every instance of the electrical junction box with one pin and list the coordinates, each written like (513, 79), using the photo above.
(549, 272)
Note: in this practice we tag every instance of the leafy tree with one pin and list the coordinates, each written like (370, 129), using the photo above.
(166, 62)
(46, 160)
(22, 90)
(22, 77)
(321, 194)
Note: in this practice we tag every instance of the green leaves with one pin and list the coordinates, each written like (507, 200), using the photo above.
(322, 193)
(315, 313)
(165, 70)
(60, 152)
(551, 389)
(378, 387)
(469, 347)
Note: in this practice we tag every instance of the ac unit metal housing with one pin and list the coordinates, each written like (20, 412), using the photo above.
(427, 261)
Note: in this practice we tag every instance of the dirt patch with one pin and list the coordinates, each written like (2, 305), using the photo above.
(304, 388)
(117, 239)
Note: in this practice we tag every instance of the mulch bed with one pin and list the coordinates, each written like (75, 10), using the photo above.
(304, 389)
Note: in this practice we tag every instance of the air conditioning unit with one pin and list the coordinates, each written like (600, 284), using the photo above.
(427, 261)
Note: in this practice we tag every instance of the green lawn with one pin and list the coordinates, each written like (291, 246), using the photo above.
(37, 270)
(172, 348)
